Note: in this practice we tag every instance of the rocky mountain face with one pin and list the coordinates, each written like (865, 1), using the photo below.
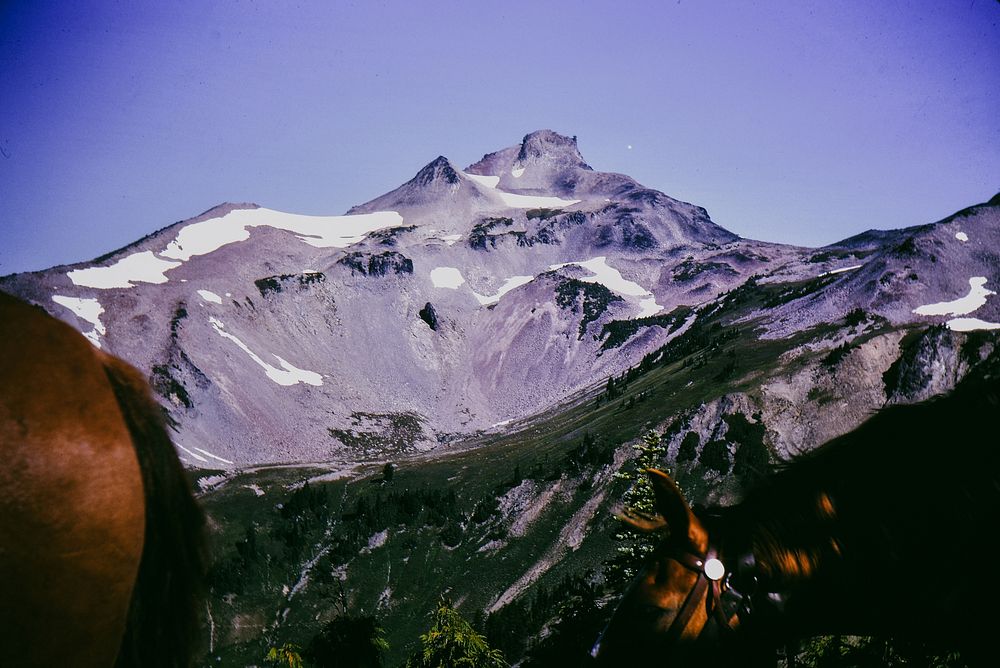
(464, 300)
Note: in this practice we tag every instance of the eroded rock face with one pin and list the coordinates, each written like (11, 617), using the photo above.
(931, 362)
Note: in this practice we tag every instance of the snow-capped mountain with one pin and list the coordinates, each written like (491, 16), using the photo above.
(464, 299)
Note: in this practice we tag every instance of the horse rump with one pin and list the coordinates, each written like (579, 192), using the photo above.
(164, 612)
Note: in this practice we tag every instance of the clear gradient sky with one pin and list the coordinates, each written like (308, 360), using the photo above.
(800, 121)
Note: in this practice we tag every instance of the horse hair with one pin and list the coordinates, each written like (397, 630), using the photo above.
(165, 610)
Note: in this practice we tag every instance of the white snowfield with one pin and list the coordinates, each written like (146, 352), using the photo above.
(486, 181)
(287, 375)
(88, 309)
(212, 234)
(520, 201)
(213, 456)
(648, 307)
(508, 285)
(450, 239)
(840, 271)
(210, 481)
(961, 236)
(970, 324)
(319, 231)
(613, 280)
(207, 482)
(452, 279)
(141, 267)
(210, 296)
(447, 277)
(963, 306)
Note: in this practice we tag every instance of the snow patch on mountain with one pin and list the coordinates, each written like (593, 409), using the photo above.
(962, 306)
(487, 181)
(447, 277)
(196, 456)
(213, 456)
(613, 280)
(515, 201)
(841, 270)
(210, 235)
(534, 201)
(451, 278)
(210, 296)
(287, 375)
(318, 231)
(961, 236)
(88, 309)
(516, 172)
(141, 267)
(970, 324)
(508, 285)
(607, 276)
(648, 307)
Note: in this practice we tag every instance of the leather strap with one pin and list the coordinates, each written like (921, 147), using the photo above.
(687, 609)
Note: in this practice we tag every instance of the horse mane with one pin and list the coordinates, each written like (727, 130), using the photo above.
(165, 610)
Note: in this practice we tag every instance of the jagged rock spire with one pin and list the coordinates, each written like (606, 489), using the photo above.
(546, 146)
(437, 170)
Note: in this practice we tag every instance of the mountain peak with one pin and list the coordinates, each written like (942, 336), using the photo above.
(551, 147)
(437, 170)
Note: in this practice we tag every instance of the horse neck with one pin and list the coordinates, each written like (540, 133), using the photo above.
(797, 542)
(845, 539)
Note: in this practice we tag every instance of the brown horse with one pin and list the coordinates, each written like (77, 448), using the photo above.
(101, 553)
(888, 530)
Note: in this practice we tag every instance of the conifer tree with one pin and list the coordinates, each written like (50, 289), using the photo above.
(639, 499)
(452, 643)
(286, 656)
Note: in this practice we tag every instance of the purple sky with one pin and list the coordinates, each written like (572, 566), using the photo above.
(803, 122)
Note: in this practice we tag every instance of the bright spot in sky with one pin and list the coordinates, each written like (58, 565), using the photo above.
(630, 147)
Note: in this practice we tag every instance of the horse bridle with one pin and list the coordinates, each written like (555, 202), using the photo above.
(713, 581)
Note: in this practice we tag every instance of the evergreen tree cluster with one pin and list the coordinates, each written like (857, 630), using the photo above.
(379, 511)
(452, 643)
(588, 454)
(348, 641)
(617, 332)
(592, 299)
(303, 517)
(572, 603)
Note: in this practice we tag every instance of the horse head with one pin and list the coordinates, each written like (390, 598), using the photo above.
(683, 607)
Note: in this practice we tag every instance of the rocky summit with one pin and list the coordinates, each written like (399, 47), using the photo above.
(466, 301)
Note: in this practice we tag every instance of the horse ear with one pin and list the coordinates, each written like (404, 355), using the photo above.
(640, 523)
(670, 503)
